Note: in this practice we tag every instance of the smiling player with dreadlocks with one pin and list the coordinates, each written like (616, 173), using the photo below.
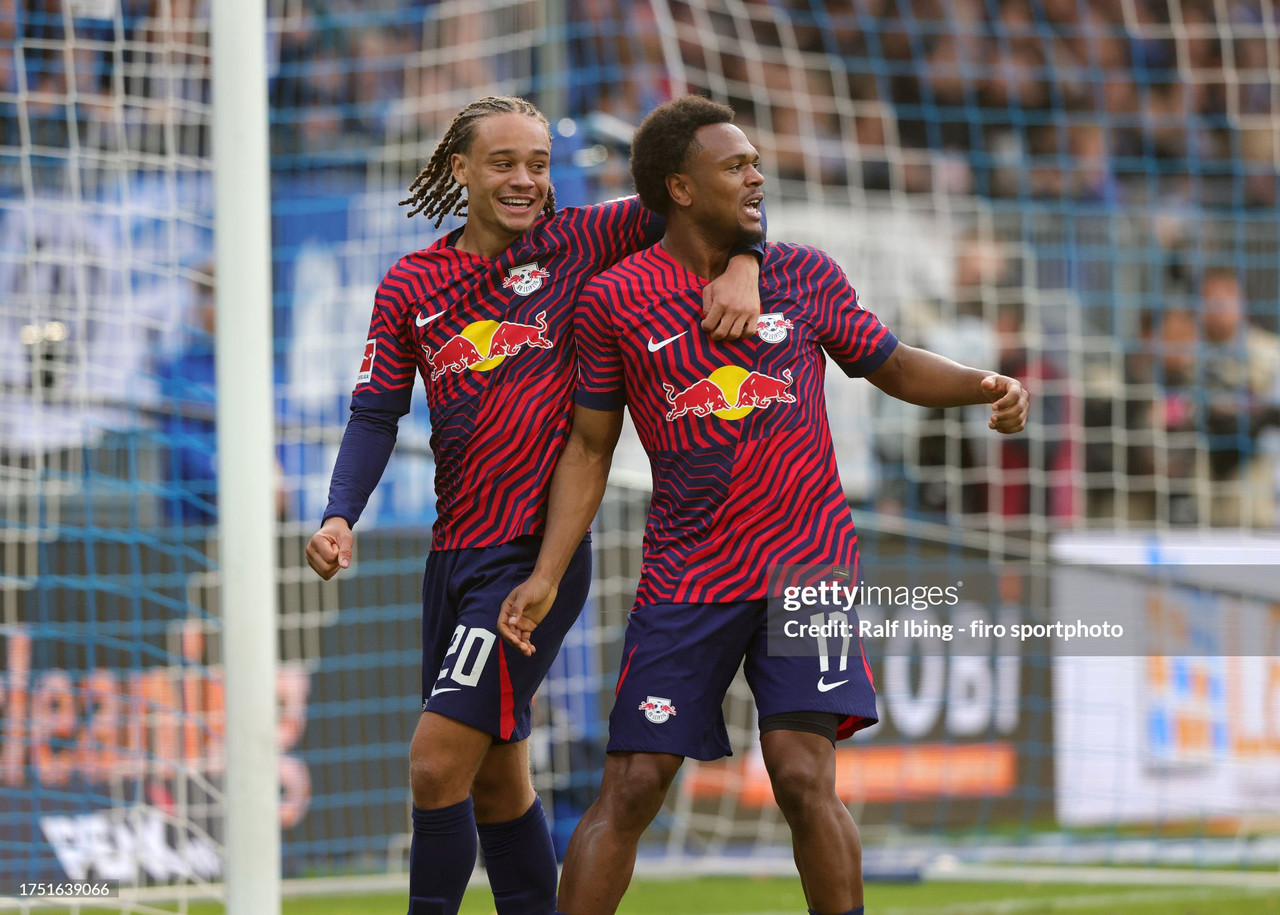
(485, 314)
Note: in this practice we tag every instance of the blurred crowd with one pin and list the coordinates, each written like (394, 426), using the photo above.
(1148, 115)
(1085, 100)
(1082, 100)
(1177, 422)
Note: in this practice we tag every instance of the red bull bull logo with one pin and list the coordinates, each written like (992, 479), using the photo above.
(657, 709)
(483, 345)
(730, 392)
(509, 337)
(525, 279)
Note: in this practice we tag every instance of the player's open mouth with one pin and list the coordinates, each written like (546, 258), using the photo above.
(752, 206)
(517, 203)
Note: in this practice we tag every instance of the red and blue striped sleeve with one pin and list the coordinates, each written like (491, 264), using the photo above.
(853, 336)
(608, 232)
(601, 384)
(383, 393)
(389, 362)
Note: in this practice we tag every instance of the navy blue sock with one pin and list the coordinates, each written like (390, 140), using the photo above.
(441, 858)
(521, 862)
(857, 911)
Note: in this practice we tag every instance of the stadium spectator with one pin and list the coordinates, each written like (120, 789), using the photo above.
(1091, 179)
(951, 444)
(1259, 164)
(1148, 417)
(876, 130)
(189, 420)
(1033, 479)
(377, 83)
(1240, 400)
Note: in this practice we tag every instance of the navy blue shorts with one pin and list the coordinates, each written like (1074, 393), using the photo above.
(469, 673)
(679, 659)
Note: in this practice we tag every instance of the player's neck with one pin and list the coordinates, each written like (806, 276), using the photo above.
(484, 241)
(694, 251)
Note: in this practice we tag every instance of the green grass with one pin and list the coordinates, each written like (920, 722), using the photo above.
(782, 896)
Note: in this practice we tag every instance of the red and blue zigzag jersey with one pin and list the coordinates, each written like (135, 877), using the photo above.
(744, 471)
(493, 342)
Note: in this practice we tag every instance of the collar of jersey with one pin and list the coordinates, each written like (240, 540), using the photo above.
(691, 278)
(447, 244)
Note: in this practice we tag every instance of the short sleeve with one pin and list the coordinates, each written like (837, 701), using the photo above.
(388, 363)
(853, 336)
(601, 383)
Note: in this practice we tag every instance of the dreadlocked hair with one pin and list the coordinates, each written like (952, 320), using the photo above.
(434, 192)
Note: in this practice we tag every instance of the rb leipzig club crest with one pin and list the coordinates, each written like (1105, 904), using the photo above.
(772, 328)
(525, 279)
(657, 709)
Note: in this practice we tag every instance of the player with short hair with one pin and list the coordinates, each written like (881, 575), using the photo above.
(485, 314)
(745, 481)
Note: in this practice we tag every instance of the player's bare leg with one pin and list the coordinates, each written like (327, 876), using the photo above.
(828, 852)
(444, 757)
(602, 852)
(502, 789)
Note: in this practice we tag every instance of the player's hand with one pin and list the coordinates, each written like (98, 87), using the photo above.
(1010, 403)
(330, 548)
(731, 302)
(523, 610)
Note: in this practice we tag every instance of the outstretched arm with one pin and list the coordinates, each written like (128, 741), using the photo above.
(577, 487)
(929, 380)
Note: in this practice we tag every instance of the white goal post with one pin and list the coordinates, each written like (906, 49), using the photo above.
(246, 449)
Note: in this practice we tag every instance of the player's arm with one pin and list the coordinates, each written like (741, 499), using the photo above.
(730, 303)
(382, 395)
(366, 448)
(929, 380)
(865, 348)
(577, 488)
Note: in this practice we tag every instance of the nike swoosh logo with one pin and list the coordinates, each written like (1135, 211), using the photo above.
(444, 689)
(423, 322)
(824, 687)
(654, 347)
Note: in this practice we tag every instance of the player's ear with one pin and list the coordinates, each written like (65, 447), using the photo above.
(678, 188)
(458, 165)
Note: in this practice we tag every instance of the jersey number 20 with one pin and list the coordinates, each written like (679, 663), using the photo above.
(471, 648)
